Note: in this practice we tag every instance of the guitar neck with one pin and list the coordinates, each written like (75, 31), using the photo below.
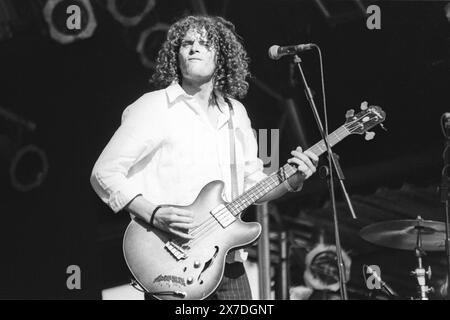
(268, 184)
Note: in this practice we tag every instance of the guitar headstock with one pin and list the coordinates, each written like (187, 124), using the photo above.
(363, 121)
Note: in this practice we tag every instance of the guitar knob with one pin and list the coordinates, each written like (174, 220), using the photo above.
(197, 264)
(364, 105)
(369, 135)
(190, 280)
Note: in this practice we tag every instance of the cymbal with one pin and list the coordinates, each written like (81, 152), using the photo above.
(402, 234)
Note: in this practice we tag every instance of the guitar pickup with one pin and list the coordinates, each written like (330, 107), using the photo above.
(223, 215)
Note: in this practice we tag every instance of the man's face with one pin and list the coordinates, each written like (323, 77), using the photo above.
(197, 57)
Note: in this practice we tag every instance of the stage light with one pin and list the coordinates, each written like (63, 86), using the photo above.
(26, 164)
(337, 12)
(29, 168)
(69, 20)
(130, 12)
(150, 42)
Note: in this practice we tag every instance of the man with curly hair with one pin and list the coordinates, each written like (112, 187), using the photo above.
(175, 140)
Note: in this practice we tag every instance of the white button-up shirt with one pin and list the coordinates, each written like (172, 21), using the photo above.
(167, 149)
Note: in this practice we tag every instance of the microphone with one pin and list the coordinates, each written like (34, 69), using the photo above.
(276, 52)
(384, 285)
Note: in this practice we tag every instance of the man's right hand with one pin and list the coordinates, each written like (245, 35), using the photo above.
(175, 220)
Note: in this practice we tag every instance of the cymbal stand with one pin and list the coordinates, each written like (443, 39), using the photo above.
(420, 272)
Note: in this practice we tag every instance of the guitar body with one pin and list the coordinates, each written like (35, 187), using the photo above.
(170, 269)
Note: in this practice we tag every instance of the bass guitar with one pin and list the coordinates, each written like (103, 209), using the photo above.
(172, 268)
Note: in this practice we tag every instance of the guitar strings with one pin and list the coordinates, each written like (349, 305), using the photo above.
(239, 207)
(213, 225)
(234, 211)
(210, 224)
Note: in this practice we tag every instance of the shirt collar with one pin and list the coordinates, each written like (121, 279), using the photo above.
(174, 91)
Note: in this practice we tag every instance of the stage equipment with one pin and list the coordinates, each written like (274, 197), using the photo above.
(24, 163)
(332, 160)
(130, 12)
(338, 12)
(403, 234)
(321, 267)
(418, 235)
(444, 188)
(149, 43)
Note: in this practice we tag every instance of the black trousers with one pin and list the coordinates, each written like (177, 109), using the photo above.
(234, 285)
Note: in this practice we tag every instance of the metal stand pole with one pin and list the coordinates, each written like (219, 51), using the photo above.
(262, 212)
(283, 268)
(445, 124)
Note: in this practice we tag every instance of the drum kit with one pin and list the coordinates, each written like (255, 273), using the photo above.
(416, 235)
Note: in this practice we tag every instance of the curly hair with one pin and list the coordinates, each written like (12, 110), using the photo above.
(232, 61)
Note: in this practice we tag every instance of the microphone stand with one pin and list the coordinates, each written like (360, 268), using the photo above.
(444, 191)
(333, 164)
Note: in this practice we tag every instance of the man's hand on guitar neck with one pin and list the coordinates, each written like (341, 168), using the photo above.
(177, 221)
(306, 163)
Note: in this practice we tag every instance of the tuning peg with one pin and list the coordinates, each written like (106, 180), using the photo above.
(364, 105)
(383, 127)
(350, 113)
(369, 135)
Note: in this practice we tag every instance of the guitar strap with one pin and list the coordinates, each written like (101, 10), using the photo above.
(233, 169)
(238, 255)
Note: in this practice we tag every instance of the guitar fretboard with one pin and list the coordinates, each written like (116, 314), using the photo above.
(268, 184)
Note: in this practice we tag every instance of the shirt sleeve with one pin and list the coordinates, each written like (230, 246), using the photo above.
(136, 137)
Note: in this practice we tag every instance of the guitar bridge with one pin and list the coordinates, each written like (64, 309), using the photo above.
(176, 251)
